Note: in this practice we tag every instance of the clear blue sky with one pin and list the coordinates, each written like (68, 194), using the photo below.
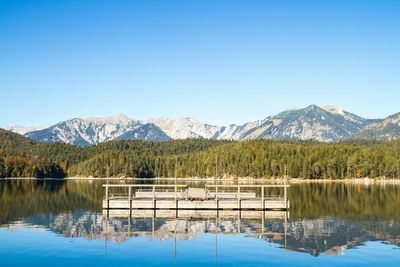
(219, 61)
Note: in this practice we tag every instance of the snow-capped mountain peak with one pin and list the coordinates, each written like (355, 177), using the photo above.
(326, 124)
(95, 130)
(333, 110)
(121, 118)
(182, 128)
(24, 129)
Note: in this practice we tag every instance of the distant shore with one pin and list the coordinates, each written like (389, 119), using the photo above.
(212, 179)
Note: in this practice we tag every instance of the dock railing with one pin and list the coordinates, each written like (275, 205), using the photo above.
(239, 187)
(238, 191)
(130, 186)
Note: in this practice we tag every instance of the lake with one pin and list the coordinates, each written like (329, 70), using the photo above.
(61, 223)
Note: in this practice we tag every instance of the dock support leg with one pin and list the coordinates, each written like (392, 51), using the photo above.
(176, 191)
(262, 221)
(176, 200)
(130, 201)
(285, 197)
(239, 217)
(129, 226)
(216, 197)
(176, 207)
(286, 225)
(262, 198)
(238, 197)
(154, 197)
(153, 222)
(107, 201)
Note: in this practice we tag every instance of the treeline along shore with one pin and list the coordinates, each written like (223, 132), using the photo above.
(22, 157)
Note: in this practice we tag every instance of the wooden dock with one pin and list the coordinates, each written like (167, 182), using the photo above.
(183, 197)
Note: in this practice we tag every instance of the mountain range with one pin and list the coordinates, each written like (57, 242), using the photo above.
(325, 124)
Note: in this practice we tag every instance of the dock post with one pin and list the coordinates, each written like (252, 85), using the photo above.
(238, 223)
(153, 222)
(262, 222)
(238, 197)
(176, 195)
(262, 198)
(154, 197)
(216, 196)
(130, 201)
(286, 222)
(107, 202)
(285, 197)
(129, 226)
(176, 222)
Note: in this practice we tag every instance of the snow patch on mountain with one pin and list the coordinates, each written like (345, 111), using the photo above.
(183, 128)
(333, 110)
(24, 129)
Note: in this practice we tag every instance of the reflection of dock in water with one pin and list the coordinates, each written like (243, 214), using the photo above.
(195, 214)
(182, 197)
(191, 224)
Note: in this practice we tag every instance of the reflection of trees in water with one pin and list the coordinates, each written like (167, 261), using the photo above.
(50, 186)
(313, 236)
(22, 198)
(317, 200)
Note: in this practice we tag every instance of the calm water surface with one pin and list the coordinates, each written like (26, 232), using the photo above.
(60, 223)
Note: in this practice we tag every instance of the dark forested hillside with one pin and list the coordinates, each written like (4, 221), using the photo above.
(21, 157)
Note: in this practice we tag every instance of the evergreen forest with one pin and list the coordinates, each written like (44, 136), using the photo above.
(22, 157)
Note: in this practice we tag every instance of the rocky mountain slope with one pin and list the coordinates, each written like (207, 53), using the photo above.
(387, 129)
(91, 131)
(325, 124)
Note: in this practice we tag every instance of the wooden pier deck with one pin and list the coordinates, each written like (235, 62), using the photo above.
(183, 197)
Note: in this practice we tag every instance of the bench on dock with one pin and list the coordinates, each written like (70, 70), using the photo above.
(193, 193)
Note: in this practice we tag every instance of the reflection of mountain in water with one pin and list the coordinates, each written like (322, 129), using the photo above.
(314, 236)
(333, 235)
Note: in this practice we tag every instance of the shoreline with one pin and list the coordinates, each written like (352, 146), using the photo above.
(212, 179)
